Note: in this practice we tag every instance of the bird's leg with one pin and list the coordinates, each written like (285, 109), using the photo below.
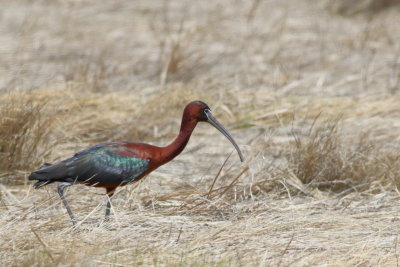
(60, 189)
(110, 193)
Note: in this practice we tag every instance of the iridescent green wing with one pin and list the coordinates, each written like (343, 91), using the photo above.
(106, 164)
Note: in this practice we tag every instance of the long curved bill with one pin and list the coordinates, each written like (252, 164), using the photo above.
(214, 122)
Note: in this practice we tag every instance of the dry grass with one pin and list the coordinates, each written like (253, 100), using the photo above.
(182, 49)
(24, 133)
(325, 160)
(352, 7)
(317, 188)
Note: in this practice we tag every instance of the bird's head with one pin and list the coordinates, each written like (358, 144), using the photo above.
(201, 112)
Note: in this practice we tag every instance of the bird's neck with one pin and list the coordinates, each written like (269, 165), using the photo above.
(175, 148)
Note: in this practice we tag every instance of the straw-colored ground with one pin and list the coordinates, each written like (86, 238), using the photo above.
(311, 96)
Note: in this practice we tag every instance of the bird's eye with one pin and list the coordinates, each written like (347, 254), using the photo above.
(207, 111)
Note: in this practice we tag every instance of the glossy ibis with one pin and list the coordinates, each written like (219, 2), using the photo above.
(114, 164)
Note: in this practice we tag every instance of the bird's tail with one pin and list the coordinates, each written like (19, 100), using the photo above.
(40, 184)
(41, 180)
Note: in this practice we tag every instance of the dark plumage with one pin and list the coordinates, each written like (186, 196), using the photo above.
(110, 165)
(106, 164)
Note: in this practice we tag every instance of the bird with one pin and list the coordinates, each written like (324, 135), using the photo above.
(114, 164)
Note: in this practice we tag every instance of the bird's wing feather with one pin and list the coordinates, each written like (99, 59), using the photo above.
(101, 164)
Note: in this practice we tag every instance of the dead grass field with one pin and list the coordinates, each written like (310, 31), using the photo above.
(311, 96)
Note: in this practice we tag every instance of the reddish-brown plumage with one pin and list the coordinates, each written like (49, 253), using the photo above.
(115, 164)
(161, 155)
